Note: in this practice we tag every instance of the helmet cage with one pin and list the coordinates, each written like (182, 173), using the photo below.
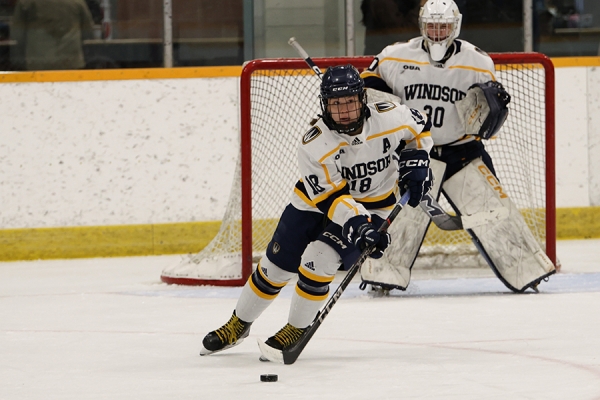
(343, 81)
(444, 21)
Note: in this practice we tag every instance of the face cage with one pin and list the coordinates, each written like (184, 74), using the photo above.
(451, 22)
(341, 128)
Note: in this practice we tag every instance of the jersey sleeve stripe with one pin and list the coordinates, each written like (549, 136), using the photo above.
(402, 60)
(328, 154)
(369, 74)
(341, 200)
(380, 202)
(337, 190)
(418, 138)
(485, 71)
(375, 136)
(301, 192)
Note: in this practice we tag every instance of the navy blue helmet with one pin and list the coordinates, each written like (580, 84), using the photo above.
(342, 81)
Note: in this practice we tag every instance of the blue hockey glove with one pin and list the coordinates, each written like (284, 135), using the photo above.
(362, 233)
(415, 175)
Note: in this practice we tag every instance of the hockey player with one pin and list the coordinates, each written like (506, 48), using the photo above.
(348, 163)
(454, 83)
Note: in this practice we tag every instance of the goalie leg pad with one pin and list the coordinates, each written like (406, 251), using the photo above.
(407, 232)
(508, 245)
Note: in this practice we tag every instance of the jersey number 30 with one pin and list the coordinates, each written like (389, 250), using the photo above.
(436, 116)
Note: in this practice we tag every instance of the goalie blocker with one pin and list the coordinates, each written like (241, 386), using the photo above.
(507, 245)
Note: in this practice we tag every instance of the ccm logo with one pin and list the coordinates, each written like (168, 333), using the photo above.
(412, 67)
(335, 239)
(337, 89)
(492, 181)
(414, 163)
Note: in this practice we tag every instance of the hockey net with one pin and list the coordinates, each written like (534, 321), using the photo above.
(279, 97)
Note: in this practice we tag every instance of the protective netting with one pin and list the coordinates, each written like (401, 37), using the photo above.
(282, 104)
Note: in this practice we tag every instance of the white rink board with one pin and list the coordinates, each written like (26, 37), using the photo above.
(152, 151)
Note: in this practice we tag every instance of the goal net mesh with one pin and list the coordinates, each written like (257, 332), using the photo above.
(283, 101)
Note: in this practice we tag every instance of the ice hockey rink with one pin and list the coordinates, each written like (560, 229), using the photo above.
(109, 329)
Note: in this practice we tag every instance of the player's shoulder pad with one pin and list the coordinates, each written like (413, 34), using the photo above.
(394, 48)
(477, 49)
(384, 106)
(470, 48)
(311, 134)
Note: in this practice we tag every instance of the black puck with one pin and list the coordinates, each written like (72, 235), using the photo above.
(268, 378)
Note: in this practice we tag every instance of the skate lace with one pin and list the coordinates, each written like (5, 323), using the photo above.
(288, 335)
(231, 331)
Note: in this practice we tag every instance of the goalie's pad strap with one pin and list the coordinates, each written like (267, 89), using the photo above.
(408, 232)
(507, 245)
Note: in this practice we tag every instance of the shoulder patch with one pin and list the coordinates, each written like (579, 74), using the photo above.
(383, 106)
(311, 134)
(477, 49)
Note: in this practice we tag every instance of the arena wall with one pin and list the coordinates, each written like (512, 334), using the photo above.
(134, 162)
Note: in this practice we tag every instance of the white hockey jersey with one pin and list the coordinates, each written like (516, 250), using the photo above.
(344, 176)
(431, 86)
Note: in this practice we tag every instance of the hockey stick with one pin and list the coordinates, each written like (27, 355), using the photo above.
(438, 215)
(291, 354)
(292, 42)
(447, 222)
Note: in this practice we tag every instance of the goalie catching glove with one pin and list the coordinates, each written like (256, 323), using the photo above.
(484, 109)
(362, 233)
(415, 175)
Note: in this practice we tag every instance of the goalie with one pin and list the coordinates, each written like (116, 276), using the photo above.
(454, 83)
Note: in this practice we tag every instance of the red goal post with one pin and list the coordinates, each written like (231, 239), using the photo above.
(278, 97)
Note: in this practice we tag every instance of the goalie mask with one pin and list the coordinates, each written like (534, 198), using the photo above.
(343, 99)
(439, 22)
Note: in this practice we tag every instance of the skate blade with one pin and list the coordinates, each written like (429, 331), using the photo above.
(269, 353)
(206, 352)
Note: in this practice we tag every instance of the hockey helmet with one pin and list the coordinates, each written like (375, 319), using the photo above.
(342, 81)
(439, 22)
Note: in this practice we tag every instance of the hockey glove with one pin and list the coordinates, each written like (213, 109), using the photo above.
(362, 233)
(484, 109)
(415, 175)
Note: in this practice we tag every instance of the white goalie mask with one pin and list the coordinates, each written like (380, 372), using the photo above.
(439, 22)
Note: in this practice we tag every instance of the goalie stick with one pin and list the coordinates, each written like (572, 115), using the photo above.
(291, 354)
(440, 218)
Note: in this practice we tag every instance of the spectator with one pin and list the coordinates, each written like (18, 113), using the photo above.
(96, 11)
(386, 21)
(50, 33)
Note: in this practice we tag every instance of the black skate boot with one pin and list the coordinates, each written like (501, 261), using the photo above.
(229, 335)
(287, 336)
(273, 348)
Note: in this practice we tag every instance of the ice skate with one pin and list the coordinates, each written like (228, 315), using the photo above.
(229, 335)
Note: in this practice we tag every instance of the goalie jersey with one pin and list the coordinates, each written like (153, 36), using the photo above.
(407, 70)
(344, 176)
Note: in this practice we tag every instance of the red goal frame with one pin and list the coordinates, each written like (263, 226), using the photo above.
(362, 63)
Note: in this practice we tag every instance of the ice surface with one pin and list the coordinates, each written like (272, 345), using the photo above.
(109, 329)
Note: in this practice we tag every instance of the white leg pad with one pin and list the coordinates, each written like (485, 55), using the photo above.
(251, 302)
(320, 262)
(407, 231)
(513, 252)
